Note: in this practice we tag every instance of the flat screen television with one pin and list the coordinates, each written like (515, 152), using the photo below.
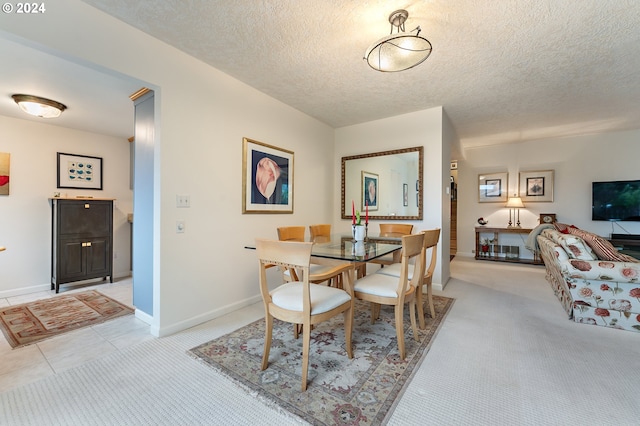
(616, 201)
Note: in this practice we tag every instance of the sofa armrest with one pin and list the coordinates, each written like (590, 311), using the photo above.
(603, 270)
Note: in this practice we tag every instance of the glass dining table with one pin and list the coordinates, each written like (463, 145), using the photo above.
(340, 248)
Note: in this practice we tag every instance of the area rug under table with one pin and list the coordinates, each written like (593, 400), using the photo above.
(358, 391)
(35, 321)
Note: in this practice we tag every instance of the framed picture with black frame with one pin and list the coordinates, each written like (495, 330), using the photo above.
(536, 186)
(267, 178)
(79, 171)
(492, 187)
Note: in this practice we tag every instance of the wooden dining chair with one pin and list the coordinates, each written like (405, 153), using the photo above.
(320, 233)
(392, 230)
(291, 233)
(299, 302)
(319, 273)
(431, 238)
(380, 289)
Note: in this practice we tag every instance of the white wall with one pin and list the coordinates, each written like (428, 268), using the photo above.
(203, 114)
(577, 161)
(25, 215)
(422, 128)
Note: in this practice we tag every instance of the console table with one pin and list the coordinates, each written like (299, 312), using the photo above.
(497, 252)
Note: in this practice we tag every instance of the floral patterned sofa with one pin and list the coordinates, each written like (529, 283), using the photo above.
(595, 283)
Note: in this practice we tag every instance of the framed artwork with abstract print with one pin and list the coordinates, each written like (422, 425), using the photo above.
(536, 186)
(5, 162)
(369, 191)
(79, 171)
(492, 187)
(267, 178)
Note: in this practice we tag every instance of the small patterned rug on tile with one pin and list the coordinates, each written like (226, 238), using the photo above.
(341, 391)
(35, 321)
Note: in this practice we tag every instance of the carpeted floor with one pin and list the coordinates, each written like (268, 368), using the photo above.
(35, 321)
(340, 391)
(505, 355)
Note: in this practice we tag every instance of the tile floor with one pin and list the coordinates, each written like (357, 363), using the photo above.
(33, 362)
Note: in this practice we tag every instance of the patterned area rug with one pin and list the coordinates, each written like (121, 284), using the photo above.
(341, 391)
(35, 321)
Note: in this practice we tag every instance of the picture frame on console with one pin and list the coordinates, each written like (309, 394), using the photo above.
(536, 186)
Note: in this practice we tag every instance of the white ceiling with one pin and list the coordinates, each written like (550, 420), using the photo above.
(97, 100)
(504, 71)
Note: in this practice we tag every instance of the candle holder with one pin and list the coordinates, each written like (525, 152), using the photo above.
(366, 231)
(353, 233)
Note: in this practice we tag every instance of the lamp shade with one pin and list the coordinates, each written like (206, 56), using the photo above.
(39, 107)
(398, 52)
(515, 203)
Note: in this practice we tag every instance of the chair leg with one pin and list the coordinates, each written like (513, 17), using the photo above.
(375, 312)
(420, 304)
(268, 329)
(348, 330)
(412, 315)
(296, 330)
(400, 329)
(306, 343)
(432, 311)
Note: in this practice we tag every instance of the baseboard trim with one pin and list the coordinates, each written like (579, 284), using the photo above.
(25, 290)
(197, 320)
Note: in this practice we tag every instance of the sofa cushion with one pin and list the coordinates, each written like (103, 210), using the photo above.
(576, 248)
(601, 247)
(563, 227)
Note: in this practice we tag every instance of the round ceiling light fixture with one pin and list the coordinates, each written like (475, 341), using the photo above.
(399, 51)
(40, 107)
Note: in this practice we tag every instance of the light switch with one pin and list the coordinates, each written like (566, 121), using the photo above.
(183, 201)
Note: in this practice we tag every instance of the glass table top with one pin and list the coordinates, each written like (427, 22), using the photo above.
(342, 247)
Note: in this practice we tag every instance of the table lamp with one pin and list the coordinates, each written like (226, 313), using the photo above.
(514, 204)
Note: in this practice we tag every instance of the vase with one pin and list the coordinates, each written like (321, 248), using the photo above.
(358, 232)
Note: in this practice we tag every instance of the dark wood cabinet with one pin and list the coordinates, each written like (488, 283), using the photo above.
(81, 240)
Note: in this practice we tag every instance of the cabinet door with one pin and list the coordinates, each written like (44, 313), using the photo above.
(85, 218)
(98, 257)
(72, 259)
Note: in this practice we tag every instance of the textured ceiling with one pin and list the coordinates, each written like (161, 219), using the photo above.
(504, 71)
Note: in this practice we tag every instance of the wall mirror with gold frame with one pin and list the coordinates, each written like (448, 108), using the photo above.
(389, 183)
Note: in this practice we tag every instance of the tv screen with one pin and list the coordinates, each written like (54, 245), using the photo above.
(616, 201)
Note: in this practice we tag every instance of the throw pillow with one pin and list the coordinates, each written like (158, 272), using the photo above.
(563, 227)
(601, 247)
(576, 248)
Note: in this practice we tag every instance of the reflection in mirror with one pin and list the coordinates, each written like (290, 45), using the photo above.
(389, 183)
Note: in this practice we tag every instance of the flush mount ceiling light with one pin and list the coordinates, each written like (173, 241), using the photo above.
(400, 51)
(40, 107)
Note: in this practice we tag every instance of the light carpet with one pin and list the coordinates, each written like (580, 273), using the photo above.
(35, 321)
(505, 355)
(341, 391)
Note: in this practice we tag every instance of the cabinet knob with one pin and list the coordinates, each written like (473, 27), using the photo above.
(87, 205)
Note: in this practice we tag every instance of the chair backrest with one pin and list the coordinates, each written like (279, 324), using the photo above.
(320, 233)
(288, 255)
(291, 233)
(412, 249)
(431, 238)
(395, 229)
